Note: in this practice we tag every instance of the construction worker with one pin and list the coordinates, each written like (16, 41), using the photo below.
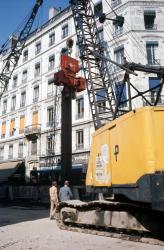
(53, 199)
(65, 192)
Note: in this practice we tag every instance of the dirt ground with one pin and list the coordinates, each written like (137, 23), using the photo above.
(25, 228)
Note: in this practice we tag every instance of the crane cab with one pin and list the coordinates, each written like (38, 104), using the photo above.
(127, 156)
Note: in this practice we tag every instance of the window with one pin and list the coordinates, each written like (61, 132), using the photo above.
(15, 81)
(51, 62)
(23, 99)
(21, 124)
(80, 108)
(34, 147)
(37, 48)
(149, 18)
(118, 30)
(51, 39)
(20, 150)
(50, 145)
(50, 87)
(13, 103)
(4, 110)
(36, 94)
(12, 127)
(25, 55)
(151, 49)
(79, 139)
(37, 69)
(100, 35)
(123, 96)
(1, 153)
(24, 76)
(98, 9)
(3, 130)
(77, 50)
(119, 56)
(50, 116)
(65, 31)
(100, 98)
(10, 152)
(154, 83)
(115, 3)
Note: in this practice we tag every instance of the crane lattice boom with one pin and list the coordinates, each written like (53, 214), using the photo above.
(14, 52)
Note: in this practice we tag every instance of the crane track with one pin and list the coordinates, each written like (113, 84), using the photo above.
(113, 234)
(122, 234)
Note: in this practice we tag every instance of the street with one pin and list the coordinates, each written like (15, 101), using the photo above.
(30, 228)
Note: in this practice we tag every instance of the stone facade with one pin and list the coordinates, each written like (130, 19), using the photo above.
(30, 95)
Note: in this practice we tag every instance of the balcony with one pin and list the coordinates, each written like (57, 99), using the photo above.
(79, 116)
(51, 67)
(50, 152)
(79, 146)
(20, 154)
(50, 94)
(151, 27)
(14, 85)
(154, 62)
(22, 104)
(37, 51)
(13, 108)
(118, 32)
(10, 156)
(2, 136)
(115, 3)
(50, 124)
(4, 112)
(37, 74)
(35, 99)
(33, 158)
(24, 80)
(1, 158)
(32, 132)
(12, 132)
(51, 43)
(21, 131)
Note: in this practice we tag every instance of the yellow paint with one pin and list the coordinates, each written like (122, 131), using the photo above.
(3, 128)
(136, 147)
(35, 119)
(22, 123)
(12, 125)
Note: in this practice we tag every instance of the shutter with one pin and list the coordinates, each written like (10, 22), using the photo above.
(12, 126)
(3, 128)
(22, 124)
(35, 119)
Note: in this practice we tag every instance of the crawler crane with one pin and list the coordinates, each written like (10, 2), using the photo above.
(126, 161)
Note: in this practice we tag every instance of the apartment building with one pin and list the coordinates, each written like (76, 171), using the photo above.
(27, 106)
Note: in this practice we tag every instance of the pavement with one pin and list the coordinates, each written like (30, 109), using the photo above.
(30, 228)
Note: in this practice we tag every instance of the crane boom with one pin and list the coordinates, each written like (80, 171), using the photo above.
(100, 86)
(13, 54)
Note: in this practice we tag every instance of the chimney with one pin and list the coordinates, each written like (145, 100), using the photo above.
(53, 12)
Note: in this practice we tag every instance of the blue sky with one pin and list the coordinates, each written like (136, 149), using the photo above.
(13, 12)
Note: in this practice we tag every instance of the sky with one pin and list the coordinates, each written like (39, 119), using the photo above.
(13, 12)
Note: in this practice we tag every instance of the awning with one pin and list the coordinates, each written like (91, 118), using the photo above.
(7, 169)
